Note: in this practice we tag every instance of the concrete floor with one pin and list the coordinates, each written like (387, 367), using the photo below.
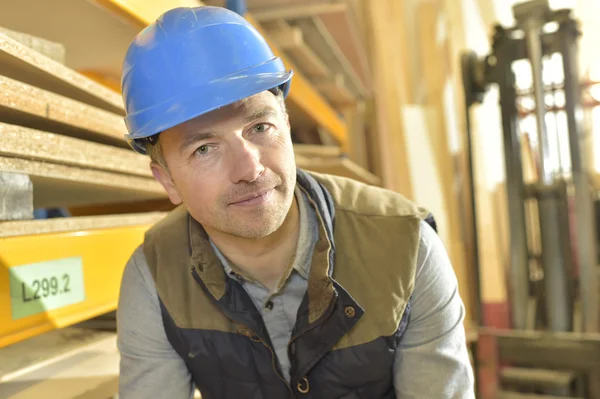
(68, 363)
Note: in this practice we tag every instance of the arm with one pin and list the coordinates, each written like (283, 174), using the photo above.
(432, 359)
(150, 367)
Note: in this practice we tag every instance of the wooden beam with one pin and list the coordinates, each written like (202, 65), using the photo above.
(305, 10)
(557, 350)
(309, 150)
(337, 166)
(357, 135)
(30, 106)
(390, 88)
(347, 31)
(291, 40)
(434, 70)
(336, 91)
(327, 49)
(26, 65)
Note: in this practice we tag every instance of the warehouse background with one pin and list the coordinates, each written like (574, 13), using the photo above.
(378, 96)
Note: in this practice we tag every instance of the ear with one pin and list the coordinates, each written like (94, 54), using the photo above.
(164, 178)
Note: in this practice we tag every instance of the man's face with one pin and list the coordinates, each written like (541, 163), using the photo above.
(233, 168)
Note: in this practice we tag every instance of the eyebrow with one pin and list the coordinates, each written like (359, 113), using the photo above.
(266, 112)
(194, 138)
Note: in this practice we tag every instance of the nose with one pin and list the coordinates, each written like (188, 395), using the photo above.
(246, 162)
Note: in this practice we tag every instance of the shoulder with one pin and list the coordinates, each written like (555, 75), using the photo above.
(364, 199)
(435, 281)
(172, 222)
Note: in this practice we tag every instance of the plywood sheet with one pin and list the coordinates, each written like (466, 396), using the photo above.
(58, 185)
(30, 144)
(22, 63)
(30, 106)
(83, 223)
(50, 49)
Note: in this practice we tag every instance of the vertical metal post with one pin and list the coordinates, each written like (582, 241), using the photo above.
(519, 257)
(584, 213)
(556, 279)
(533, 30)
(531, 18)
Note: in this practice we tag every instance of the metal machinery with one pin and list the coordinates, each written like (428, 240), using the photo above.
(561, 280)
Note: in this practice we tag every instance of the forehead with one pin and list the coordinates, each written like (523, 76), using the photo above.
(233, 113)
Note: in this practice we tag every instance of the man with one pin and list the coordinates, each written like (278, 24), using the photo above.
(268, 281)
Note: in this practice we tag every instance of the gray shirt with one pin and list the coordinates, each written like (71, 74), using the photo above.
(431, 361)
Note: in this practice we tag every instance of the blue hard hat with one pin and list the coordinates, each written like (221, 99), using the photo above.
(192, 61)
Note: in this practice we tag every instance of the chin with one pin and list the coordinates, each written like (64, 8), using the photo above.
(257, 229)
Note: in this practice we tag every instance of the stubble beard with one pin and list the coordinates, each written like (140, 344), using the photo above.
(260, 222)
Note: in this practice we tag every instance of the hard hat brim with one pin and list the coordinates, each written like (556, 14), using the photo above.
(198, 101)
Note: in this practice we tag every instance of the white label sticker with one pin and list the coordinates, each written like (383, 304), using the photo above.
(44, 286)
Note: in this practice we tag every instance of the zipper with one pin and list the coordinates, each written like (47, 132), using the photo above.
(275, 368)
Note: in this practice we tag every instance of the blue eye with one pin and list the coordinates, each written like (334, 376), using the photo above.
(260, 128)
(203, 149)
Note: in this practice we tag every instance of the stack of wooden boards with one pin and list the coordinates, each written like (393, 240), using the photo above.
(65, 132)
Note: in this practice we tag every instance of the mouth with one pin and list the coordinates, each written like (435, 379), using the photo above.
(254, 199)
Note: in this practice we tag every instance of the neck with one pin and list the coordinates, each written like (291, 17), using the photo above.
(264, 259)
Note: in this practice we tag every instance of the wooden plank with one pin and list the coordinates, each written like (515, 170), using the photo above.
(58, 185)
(291, 40)
(554, 350)
(434, 71)
(317, 150)
(516, 395)
(345, 29)
(24, 64)
(454, 45)
(390, 86)
(327, 49)
(30, 106)
(338, 166)
(536, 378)
(336, 91)
(21, 142)
(50, 49)
(296, 11)
(358, 148)
(82, 223)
